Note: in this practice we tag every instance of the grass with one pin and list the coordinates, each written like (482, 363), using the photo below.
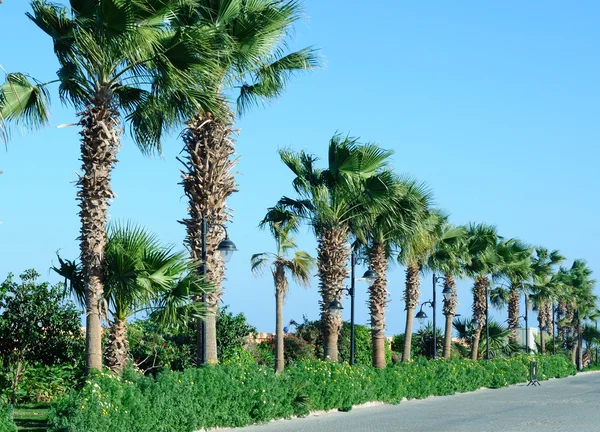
(31, 418)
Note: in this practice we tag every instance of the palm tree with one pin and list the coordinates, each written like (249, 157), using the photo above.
(583, 301)
(141, 275)
(501, 345)
(300, 267)
(514, 268)
(543, 287)
(355, 181)
(252, 62)
(379, 233)
(415, 250)
(448, 258)
(115, 58)
(482, 242)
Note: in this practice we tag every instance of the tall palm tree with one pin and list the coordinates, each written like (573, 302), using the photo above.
(482, 242)
(252, 63)
(380, 233)
(415, 250)
(299, 267)
(514, 270)
(355, 181)
(448, 258)
(141, 275)
(543, 287)
(583, 300)
(115, 58)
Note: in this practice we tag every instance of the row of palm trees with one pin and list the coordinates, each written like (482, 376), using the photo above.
(156, 66)
(357, 202)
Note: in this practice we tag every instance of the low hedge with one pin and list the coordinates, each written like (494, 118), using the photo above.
(6, 419)
(238, 395)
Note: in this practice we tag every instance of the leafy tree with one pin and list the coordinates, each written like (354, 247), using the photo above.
(299, 267)
(232, 332)
(36, 325)
(115, 58)
(355, 181)
(141, 275)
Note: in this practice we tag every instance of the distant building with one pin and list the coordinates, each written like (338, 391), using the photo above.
(533, 335)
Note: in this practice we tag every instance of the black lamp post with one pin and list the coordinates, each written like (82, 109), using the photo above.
(421, 316)
(553, 331)
(336, 307)
(526, 324)
(226, 247)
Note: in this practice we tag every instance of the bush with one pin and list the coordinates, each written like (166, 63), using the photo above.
(6, 420)
(310, 331)
(234, 395)
(40, 383)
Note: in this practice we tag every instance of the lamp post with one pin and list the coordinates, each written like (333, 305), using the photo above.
(487, 323)
(527, 324)
(554, 332)
(336, 306)
(226, 247)
(421, 316)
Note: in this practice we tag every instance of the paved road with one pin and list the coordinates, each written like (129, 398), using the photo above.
(565, 405)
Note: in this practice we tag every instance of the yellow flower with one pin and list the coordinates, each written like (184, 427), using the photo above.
(82, 406)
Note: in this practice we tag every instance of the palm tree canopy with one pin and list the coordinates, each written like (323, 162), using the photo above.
(418, 246)
(125, 55)
(355, 181)
(299, 266)
(253, 37)
(142, 275)
(450, 251)
(409, 201)
(482, 241)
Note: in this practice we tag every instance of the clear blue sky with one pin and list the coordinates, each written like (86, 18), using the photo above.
(494, 104)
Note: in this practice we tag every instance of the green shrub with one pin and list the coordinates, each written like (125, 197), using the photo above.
(6, 421)
(310, 331)
(241, 394)
(39, 383)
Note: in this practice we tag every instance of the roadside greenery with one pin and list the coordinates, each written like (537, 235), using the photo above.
(241, 394)
(6, 419)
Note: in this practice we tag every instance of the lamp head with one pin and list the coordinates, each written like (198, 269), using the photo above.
(370, 276)
(421, 316)
(447, 293)
(227, 248)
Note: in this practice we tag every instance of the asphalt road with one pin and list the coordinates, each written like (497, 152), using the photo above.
(563, 405)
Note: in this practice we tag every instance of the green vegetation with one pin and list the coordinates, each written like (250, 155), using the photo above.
(238, 395)
(31, 418)
(6, 419)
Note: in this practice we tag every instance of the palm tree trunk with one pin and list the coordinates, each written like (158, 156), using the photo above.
(479, 309)
(332, 261)
(449, 311)
(118, 346)
(411, 299)
(99, 146)
(208, 181)
(542, 324)
(280, 290)
(513, 313)
(377, 303)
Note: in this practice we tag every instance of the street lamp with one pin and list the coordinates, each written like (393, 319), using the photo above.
(421, 316)
(336, 307)
(226, 248)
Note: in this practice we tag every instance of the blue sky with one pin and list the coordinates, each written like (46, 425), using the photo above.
(493, 104)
